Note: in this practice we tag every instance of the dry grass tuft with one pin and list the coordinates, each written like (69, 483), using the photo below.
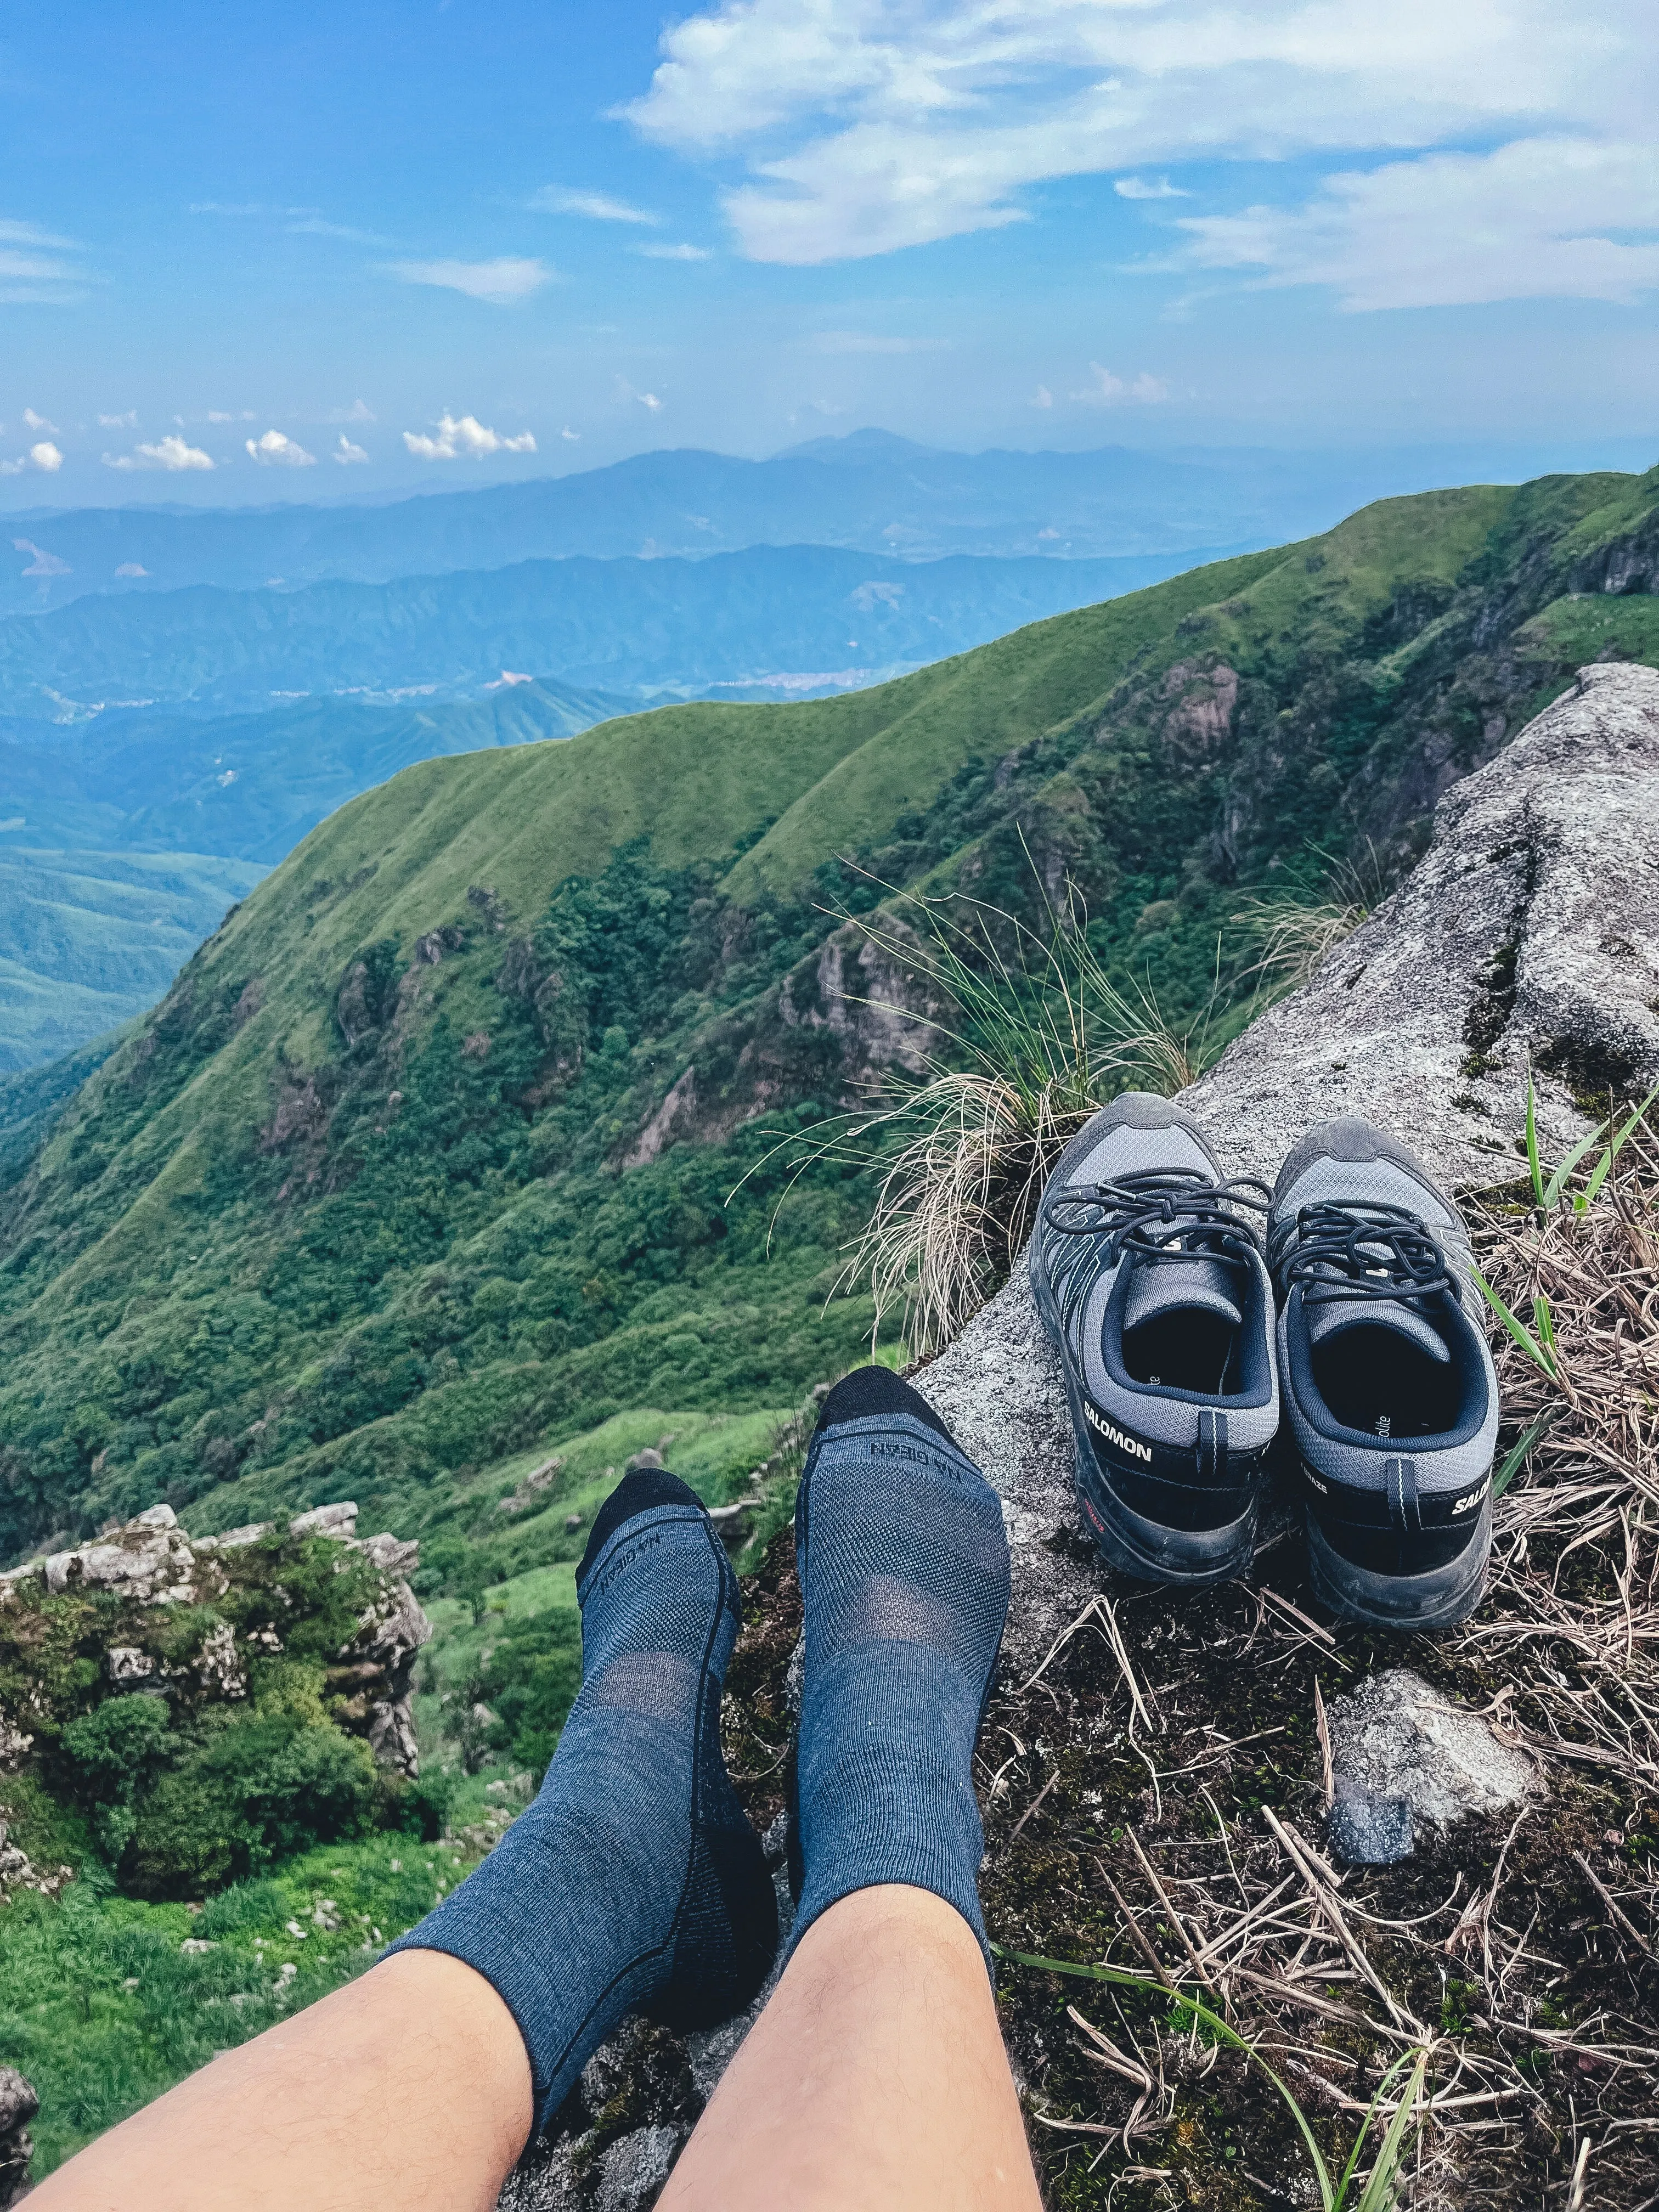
(1048, 1039)
(1575, 1555)
(1296, 934)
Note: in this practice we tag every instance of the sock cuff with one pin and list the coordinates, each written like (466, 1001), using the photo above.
(905, 1870)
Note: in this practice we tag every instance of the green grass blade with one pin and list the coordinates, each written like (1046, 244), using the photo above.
(1557, 1183)
(1518, 1452)
(1533, 1163)
(1524, 1336)
(1381, 2191)
(1212, 2021)
(1603, 1167)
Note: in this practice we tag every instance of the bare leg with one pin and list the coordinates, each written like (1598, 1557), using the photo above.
(409, 2087)
(875, 2080)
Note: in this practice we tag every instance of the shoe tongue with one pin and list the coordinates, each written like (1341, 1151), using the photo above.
(1329, 1317)
(1159, 1286)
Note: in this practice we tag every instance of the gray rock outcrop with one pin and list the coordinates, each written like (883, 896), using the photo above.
(1526, 936)
(151, 1561)
(18, 2106)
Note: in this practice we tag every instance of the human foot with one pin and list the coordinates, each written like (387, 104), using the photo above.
(634, 1881)
(904, 1565)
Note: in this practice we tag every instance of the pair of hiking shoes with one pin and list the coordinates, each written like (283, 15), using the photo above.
(1187, 1310)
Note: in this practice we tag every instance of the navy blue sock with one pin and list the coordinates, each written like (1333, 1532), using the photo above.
(634, 1881)
(903, 1563)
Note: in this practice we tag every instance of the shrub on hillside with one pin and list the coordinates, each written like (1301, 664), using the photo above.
(257, 1788)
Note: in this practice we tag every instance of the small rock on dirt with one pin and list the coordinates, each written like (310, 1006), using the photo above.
(1405, 1758)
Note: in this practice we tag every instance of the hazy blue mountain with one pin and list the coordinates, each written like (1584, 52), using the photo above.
(802, 618)
(247, 787)
(869, 490)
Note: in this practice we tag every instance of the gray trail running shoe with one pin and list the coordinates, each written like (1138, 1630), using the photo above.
(1391, 1391)
(1149, 1276)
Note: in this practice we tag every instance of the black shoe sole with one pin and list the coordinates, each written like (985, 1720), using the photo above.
(1439, 1598)
(1190, 1557)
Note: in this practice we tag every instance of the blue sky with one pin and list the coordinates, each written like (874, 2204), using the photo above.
(468, 241)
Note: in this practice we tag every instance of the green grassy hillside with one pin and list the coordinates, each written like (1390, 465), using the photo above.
(392, 1184)
(88, 940)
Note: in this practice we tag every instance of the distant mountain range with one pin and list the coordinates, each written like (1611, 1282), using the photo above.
(868, 491)
(788, 621)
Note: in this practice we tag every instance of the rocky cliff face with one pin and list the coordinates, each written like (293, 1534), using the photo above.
(1528, 938)
(162, 1611)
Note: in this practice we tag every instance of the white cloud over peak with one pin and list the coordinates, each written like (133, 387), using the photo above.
(598, 207)
(172, 454)
(275, 449)
(346, 453)
(464, 438)
(32, 269)
(504, 282)
(1108, 391)
(873, 124)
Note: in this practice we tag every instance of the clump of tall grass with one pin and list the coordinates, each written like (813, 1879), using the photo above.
(1296, 930)
(1033, 1038)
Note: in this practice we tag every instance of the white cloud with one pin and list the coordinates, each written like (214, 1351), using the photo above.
(598, 207)
(572, 437)
(502, 284)
(873, 124)
(1541, 218)
(171, 453)
(28, 234)
(316, 226)
(675, 252)
(132, 568)
(464, 438)
(39, 422)
(650, 402)
(1146, 188)
(347, 454)
(127, 421)
(43, 456)
(218, 415)
(874, 342)
(359, 411)
(1109, 391)
(44, 563)
(32, 270)
(275, 449)
(1042, 396)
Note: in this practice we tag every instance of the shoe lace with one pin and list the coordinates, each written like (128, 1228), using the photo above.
(1158, 1214)
(1357, 1250)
